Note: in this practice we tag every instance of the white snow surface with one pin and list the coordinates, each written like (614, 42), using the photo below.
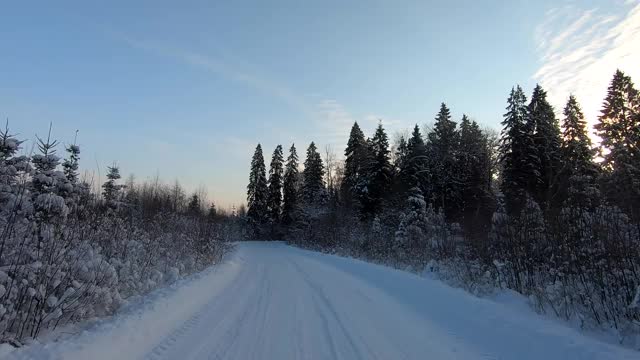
(272, 301)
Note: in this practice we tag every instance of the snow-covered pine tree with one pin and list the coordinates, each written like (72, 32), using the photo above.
(619, 129)
(257, 193)
(379, 174)
(212, 212)
(194, 207)
(274, 198)
(70, 164)
(501, 241)
(443, 151)
(13, 171)
(576, 223)
(111, 189)
(74, 190)
(401, 241)
(377, 243)
(547, 141)
(517, 152)
(48, 183)
(579, 171)
(414, 222)
(45, 246)
(56, 269)
(290, 199)
(531, 246)
(313, 190)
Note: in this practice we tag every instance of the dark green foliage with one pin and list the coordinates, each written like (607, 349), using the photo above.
(357, 157)
(274, 200)
(413, 171)
(546, 138)
(290, 187)
(619, 129)
(379, 174)
(257, 193)
(579, 173)
(443, 151)
(474, 178)
(313, 190)
(517, 152)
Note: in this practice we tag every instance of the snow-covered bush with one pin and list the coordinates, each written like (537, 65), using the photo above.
(66, 255)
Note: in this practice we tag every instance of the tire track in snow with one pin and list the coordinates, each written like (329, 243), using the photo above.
(209, 315)
(323, 303)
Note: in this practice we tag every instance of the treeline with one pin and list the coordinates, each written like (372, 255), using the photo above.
(537, 209)
(68, 253)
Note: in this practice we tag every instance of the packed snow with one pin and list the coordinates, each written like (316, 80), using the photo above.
(272, 301)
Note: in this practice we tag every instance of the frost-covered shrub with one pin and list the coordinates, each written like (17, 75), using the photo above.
(66, 255)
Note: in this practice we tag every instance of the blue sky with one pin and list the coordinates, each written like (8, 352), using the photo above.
(185, 90)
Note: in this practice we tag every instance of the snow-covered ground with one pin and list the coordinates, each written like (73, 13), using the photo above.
(271, 301)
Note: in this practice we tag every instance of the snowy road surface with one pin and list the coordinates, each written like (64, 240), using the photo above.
(271, 301)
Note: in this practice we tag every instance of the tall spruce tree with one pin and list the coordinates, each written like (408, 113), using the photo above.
(413, 171)
(257, 193)
(547, 160)
(579, 171)
(474, 178)
(619, 129)
(442, 148)
(290, 188)
(379, 173)
(355, 164)
(274, 200)
(517, 152)
(313, 190)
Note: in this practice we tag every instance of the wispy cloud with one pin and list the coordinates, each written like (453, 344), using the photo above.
(227, 69)
(335, 122)
(331, 121)
(580, 49)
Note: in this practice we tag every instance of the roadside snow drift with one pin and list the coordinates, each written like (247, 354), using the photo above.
(271, 301)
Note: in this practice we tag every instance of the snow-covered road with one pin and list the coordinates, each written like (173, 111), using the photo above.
(271, 301)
